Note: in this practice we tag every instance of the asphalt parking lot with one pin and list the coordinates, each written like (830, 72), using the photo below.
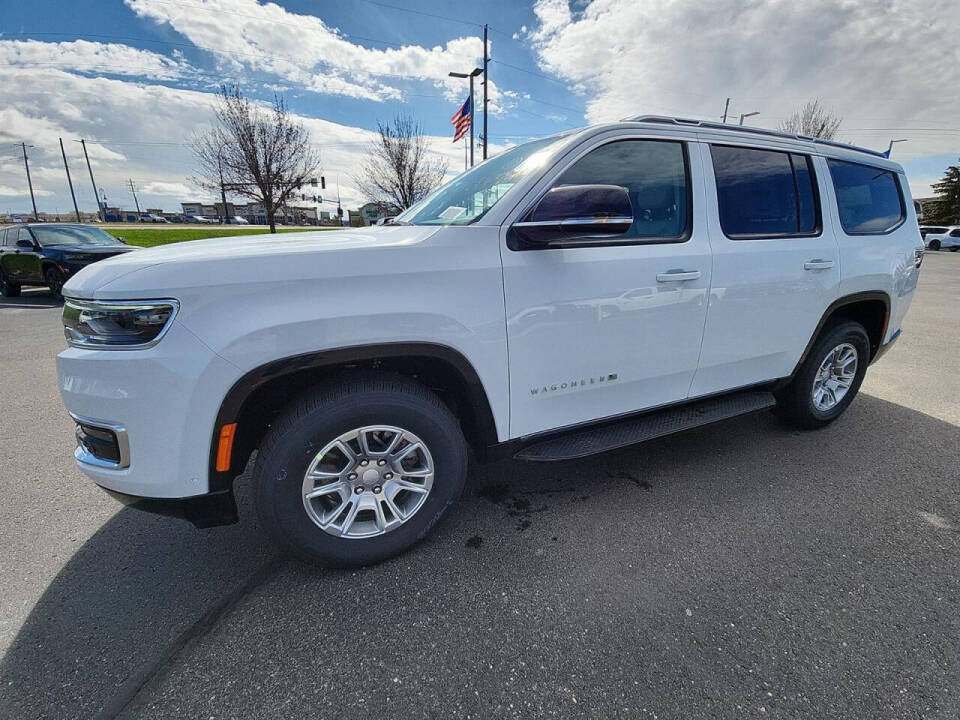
(742, 569)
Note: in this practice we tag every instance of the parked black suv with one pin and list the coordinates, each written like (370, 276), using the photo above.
(42, 254)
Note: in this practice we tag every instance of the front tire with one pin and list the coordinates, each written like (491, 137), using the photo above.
(55, 280)
(359, 470)
(934, 245)
(828, 379)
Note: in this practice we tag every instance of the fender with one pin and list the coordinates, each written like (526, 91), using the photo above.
(836, 305)
(233, 403)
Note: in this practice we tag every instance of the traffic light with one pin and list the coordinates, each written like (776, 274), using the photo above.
(323, 183)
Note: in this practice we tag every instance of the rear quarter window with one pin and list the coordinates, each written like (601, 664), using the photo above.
(869, 199)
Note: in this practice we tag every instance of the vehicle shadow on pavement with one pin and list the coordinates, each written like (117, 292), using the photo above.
(656, 576)
(32, 298)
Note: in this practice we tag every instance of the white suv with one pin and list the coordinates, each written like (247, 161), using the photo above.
(568, 296)
(945, 238)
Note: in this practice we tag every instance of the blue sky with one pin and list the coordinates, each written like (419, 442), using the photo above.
(135, 77)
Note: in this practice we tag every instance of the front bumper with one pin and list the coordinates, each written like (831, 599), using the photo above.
(161, 402)
(211, 510)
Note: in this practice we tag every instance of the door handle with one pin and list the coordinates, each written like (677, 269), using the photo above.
(818, 264)
(678, 275)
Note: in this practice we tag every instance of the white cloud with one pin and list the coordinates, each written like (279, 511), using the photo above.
(6, 190)
(304, 50)
(144, 129)
(178, 190)
(879, 63)
(91, 57)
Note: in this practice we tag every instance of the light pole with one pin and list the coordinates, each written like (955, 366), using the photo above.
(26, 164)
(472, 74)
(890, 146)
(746, 115)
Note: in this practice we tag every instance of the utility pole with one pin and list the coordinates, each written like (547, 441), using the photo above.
(26, 164)
(69, 181)
(471, 119)
(486, 81)
(96, 197)
(136, 202)
(725, 109)
(746, 115)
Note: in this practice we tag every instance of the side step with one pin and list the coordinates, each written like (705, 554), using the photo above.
(655, 424)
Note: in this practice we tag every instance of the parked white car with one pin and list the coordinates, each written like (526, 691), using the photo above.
(202, 220)
(568, 296)
(941, 237)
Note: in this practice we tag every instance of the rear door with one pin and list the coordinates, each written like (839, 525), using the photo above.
(776, 267)
(598, 327)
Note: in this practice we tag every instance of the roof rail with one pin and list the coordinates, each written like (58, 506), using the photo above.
(711, 125)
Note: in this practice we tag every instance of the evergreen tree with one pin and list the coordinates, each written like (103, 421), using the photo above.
(947, 191)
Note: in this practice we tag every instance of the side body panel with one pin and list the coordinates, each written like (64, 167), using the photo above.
(884, 262)
(377, 286)
(764, 304)
(591, 331)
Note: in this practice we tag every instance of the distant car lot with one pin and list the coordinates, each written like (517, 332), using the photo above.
(742, 569)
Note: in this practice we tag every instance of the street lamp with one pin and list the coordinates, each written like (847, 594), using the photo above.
(890, 146)
(472, 74)
(746, 115)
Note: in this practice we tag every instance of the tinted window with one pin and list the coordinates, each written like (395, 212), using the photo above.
(654, 174)
(25, 235)
(73, 235)
(868, 198)
(955, 233)
(764, 193)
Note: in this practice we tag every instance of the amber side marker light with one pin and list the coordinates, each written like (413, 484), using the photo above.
(225, 446)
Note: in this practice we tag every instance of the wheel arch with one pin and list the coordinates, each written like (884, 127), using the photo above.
(262, 393)
(870, 309)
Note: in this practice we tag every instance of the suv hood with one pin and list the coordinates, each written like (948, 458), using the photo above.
(160, 271)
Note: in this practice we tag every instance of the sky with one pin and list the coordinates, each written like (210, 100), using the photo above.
(136, 78)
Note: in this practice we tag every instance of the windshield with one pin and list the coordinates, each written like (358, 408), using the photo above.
(72, 235)
(470, 195)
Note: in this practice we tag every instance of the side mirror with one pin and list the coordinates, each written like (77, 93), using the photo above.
(571, 212)
(122, 239)
(25, 244)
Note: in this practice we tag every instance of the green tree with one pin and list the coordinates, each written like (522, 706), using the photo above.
(946, 210)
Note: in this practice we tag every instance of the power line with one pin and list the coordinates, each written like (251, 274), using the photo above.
(529, 72)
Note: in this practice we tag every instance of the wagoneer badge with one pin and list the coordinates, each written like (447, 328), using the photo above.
(573, 384)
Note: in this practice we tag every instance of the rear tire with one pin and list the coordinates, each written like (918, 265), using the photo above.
(7, 288)
(820, 391)
(934, 245)
(313, 429)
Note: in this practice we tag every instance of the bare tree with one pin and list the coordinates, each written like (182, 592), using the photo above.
(812, 120)
(260, 154)
(397, 171)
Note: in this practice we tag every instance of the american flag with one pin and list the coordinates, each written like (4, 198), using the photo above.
(461, 120)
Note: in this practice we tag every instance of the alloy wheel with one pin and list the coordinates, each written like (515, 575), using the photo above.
(834, 377)
(368, 482)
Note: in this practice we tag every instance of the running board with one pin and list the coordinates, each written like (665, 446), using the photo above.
(655, 424)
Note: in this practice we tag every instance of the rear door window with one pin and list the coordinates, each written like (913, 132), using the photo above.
(868, 198)
(765, 193)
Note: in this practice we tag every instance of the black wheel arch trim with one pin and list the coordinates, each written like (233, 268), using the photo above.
(836, 305)
(232, 406)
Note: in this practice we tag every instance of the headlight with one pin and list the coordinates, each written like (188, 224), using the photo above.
(117, 325)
